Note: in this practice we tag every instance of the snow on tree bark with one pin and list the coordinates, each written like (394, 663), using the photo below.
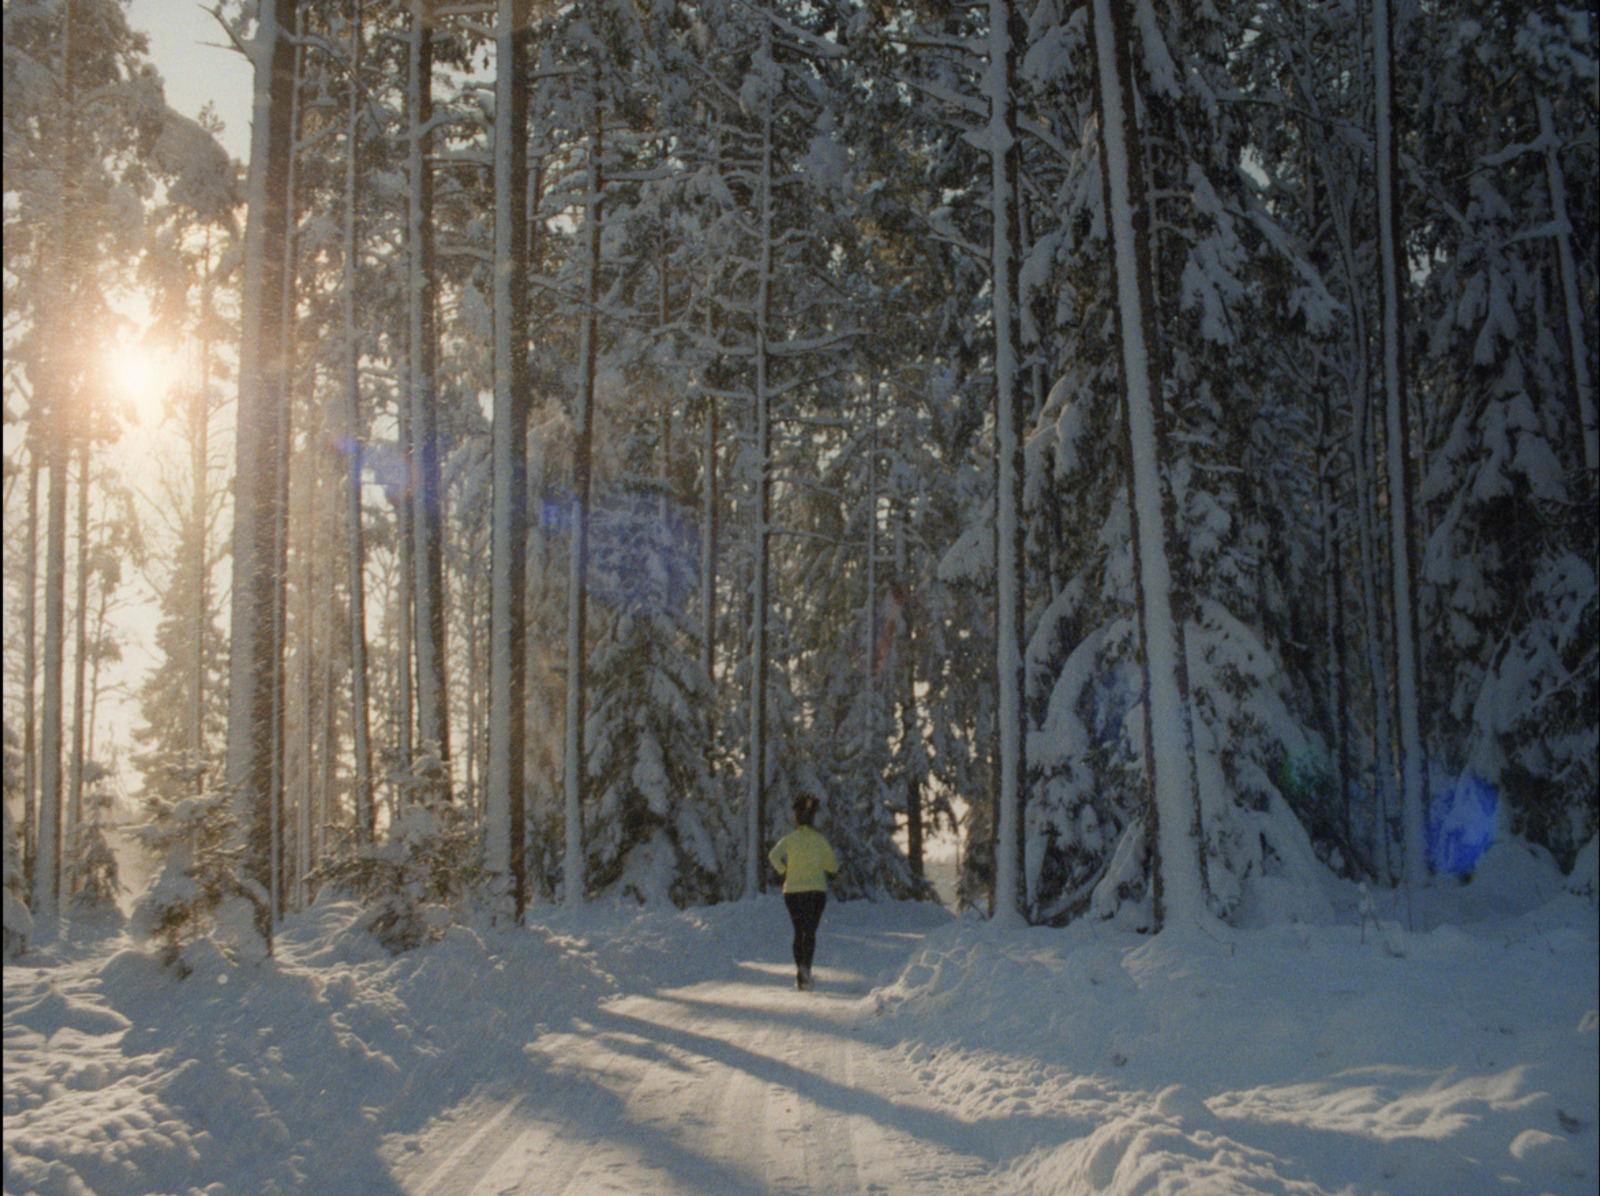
(1567, 265)
(1178, 875)
(508, 526)
(1010, 902)
(258, 579)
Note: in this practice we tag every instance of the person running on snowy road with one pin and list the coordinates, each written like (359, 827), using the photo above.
(804, 858)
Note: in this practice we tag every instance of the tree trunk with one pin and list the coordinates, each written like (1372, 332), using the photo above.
(80, 661)
(756, 772)
(256, 657)
(1567, 265)
(1178, 874)
(1400, 469)
(355, 546)
(427, 522)
(1011, 414)
(30, 676)
(198, 565)
(708, 570)
(574, 870)
(504, 794)
(47, 867)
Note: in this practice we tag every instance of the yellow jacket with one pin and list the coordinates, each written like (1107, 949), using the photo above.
(801, 858)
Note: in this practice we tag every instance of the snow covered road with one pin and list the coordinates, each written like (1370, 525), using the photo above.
(734, 1085)
(620, 1049)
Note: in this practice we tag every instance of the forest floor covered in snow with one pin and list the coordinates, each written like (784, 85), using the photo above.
(619, 1049)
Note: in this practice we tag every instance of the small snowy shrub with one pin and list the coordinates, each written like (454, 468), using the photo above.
(430, 859)
(94, 878)
(201, 872)
(19, 922)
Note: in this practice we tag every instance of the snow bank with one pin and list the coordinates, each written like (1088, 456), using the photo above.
(1290, 1058)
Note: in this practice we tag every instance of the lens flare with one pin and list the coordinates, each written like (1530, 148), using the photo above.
(1301, 775)
(1462, 822)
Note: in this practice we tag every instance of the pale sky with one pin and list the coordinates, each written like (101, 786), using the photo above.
(192, 53)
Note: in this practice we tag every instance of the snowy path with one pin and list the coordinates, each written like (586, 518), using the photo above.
(627, 1050)
(732, 1085)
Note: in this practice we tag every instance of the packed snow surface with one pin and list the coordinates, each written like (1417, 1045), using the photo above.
(1448, 1049)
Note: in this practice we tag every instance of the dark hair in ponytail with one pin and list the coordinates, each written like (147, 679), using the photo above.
(805, 810)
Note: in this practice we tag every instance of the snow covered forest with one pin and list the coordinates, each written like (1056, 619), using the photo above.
(1135, 462)
(1152, 444)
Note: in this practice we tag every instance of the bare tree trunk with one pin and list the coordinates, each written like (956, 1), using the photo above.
(258, 579)
(360, 701)
(1567, 265)
(199, 501)
(427, 526)
(1178, 874)
(47, 867)
(30, 676)
(1400, 469)
(80, 654)
(756, 774)
(574, 869)
(505, 796)
(1010, 900)
(708, 568)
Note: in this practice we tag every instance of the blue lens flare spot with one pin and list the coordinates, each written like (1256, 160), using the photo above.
(1301, 775)
(1462, 822)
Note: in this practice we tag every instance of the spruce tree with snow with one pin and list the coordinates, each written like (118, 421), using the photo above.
(92, 869)
(203, 880)
(657, 828)
(1510, 600)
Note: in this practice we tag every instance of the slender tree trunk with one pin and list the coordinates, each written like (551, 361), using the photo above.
(80, 661)
(405, 602)
(1338, 691)
(433, 711)
(47, 867)
(1567, 265)
(574, 870)
(1179, 873)
(1010, 901)
(756, 776)
(708, 569)
(910, 733)
(283, 882)
(1400, 468)
(30, 676)
(198, 565)
(504, 795)
(1362, 445)
(360, 700)
(256, 657)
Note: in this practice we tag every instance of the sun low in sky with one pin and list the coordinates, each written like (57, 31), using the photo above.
(141, 378)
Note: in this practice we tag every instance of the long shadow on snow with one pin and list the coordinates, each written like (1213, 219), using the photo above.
(589, 1111)
(960, 1137)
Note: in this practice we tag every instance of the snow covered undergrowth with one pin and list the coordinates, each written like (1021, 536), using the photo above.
(1351, 1057)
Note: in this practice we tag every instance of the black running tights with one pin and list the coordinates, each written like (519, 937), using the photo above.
(805, 911)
